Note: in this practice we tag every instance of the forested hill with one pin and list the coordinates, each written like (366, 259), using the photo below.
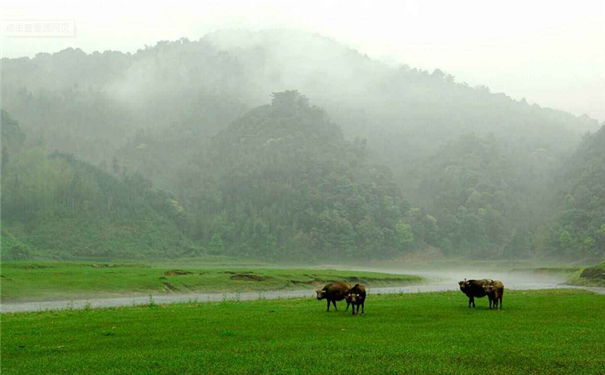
(55, 206)
(579, 226)
(282, 182)
(485, 172)
(487, 194)
(170, 98)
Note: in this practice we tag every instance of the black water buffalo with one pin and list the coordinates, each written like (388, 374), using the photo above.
(333, 292)
(474, 288)
(494, 291)
(356, 296)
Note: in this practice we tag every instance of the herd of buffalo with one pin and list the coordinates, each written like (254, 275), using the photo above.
(356, 296)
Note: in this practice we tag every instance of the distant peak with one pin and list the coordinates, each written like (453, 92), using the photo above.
(289, 97)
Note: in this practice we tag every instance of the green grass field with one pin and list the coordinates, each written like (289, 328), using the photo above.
(537, 332)
(27, 281)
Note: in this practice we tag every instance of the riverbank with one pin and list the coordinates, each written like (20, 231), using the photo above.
(65, 281)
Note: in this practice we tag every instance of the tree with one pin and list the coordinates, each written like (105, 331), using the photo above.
(370, 238)
(404, 236)
(334, 233)
(215, 247)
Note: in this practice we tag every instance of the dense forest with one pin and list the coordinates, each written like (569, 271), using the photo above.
(174, 151)
(55, 206)
(578, 229)
(282, 181)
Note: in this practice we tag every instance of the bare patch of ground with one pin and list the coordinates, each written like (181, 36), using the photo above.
(249, 277)
(177, 273)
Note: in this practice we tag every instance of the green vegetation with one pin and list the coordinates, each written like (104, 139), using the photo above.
(295, 189)
(166, 153)
(169, 99)
(579, 226)
(589, 276)
(546, 332)
(563, 270)
(494, 198)
(486, 195)
(39, 281)
(57, 207)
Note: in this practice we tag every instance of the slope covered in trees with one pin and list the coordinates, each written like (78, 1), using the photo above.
(55, 206)
(282, 181)
(163, 96)
(487, 194)
(480, 164)
(579, 226)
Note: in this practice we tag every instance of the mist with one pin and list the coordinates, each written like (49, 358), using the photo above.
(302, 187)
(532, 50)
(187, 132)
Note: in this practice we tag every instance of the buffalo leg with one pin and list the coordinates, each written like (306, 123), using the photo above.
(362, 307)
(347, 309)
(352, 309)
(335, 308)
(328, 305)
(500, 303)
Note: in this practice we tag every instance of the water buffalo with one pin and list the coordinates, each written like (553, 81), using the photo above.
(473, 288)
(333, 292)
(356, 296)
(494, 291)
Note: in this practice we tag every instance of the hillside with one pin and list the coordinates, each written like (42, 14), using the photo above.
(478, 169)
(55, 206)
(578, 229)
(282, 181)
(486, 194)
(170, 98)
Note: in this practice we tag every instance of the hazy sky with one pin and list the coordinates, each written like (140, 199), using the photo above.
(550, 52)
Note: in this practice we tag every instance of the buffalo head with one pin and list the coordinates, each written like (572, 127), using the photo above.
(464, 284)
(321, 294)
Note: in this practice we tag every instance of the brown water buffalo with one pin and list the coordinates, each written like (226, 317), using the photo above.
(333, 292)
(474, 288)
(494, 291)
(356, 296)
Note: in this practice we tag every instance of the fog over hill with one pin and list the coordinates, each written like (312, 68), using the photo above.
(468, 171)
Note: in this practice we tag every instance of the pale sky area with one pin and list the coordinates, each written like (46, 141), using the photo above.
(551, 53)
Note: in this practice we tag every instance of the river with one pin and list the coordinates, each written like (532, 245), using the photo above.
(436, 281)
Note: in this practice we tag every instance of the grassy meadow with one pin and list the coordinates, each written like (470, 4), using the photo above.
(38, 281)
(537, 332)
